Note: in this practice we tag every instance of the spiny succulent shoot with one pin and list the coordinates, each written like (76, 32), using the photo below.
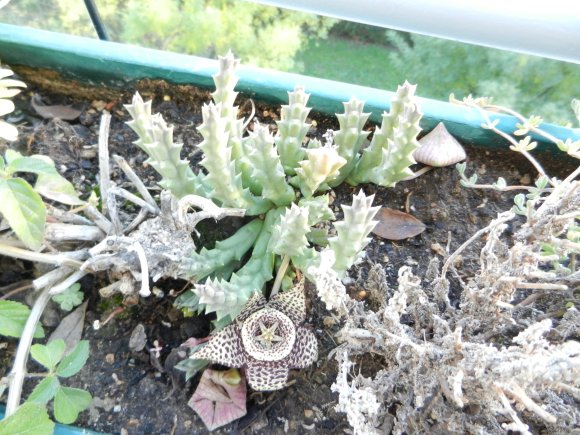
(280, 179)
(266, 338)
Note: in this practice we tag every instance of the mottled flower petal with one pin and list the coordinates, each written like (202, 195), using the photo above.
(255, 303)
(266, 375)
(225, 347)
(216, 401)
(305, 350)
(292, 303)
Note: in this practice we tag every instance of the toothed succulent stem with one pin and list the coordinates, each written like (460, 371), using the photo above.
(222, 178)
(350, 137)
(227, 298)
(156, 139)
(292, 130)
(322, 165)
(266, 168)
(388, 157)
(289, 234)
(207, 261)
(225, 81)
(351, 233)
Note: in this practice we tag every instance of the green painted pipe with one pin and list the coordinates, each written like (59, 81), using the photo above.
(118, 65)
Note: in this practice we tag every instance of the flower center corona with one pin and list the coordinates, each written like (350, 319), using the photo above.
(268, 335)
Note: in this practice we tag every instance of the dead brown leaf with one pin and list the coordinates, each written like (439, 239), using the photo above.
(48, 112)
(70, 328)
(396, 225)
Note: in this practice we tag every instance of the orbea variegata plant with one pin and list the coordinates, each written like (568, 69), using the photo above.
(281, 181)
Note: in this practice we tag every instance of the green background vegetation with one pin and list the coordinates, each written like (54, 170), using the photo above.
(297, 42)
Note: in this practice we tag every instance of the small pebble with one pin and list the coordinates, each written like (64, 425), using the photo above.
(110, 358)
(526, 179)
(117, 409)
(85, 164)
(328, 322)
(308, 413)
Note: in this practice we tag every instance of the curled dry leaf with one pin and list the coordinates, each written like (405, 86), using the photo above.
(70, 329)
(48, 112)
(220, 397)
(396, 225)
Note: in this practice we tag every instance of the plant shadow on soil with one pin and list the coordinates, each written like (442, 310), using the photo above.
(131, 392)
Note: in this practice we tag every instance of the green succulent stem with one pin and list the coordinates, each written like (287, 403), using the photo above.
(388, 157)
(350, 137)
(223, 179)
(351, 233)
(292, 129)
(266, 168)
(208, 261)
(156, 139)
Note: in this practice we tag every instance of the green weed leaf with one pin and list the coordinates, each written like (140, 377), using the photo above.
(13, 316)
(74, 361)
(45, 390)
(31, 164)
(69, 402)
(54, 186)
(24, 210)
(49, 355)
(69, 298)
(29, 419)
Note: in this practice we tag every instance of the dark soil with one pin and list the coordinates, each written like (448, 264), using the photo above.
(138, 393)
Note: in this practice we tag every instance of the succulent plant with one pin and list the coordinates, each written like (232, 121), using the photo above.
(8, 89)
(281, 180)
(267, 338)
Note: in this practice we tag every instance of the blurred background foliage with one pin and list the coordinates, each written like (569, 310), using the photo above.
(303, 43)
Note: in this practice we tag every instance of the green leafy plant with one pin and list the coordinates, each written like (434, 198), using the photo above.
(31, 416)
(280, 178)
(13, 316)
(22, 205)
(70, 298)
(68, 402)
(30, 419)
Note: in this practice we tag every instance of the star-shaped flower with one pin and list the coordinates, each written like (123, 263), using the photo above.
(267, 338)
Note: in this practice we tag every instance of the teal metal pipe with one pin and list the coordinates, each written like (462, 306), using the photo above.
(118, 65)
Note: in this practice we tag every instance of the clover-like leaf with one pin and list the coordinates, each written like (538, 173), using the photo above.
(29, 419)
(13, 316)
(69, 402)
(70, 298)
(74, 361)
(45, 390)
(50, 355)
(24, 211)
